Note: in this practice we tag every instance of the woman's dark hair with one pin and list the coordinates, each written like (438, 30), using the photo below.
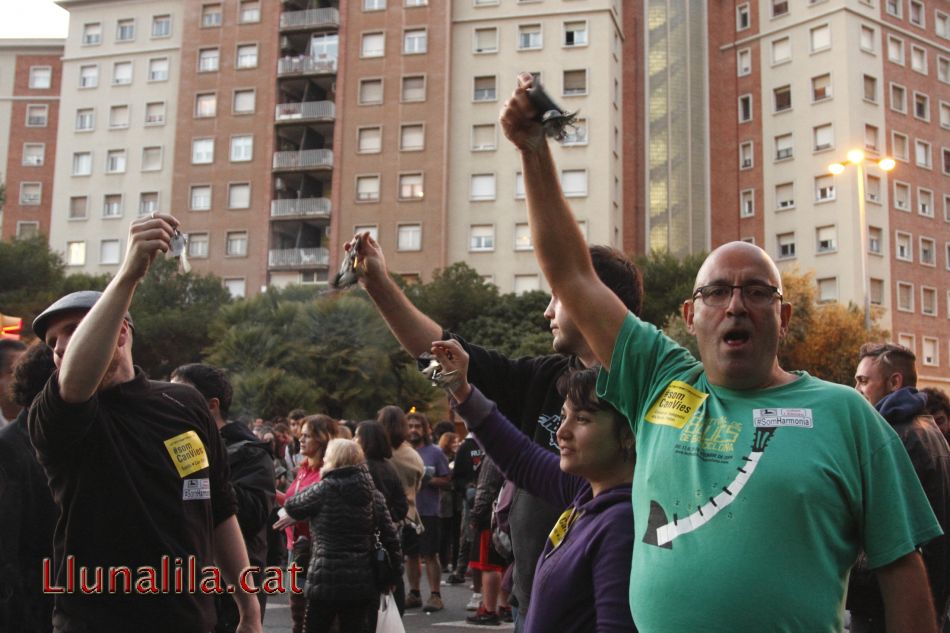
(372, 437)
(580, 387)
(394, 421)
(441, 428)
(31, 372)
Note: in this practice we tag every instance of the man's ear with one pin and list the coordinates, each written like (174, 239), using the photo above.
(688, 316)
(785, 314)
(214, 404)
(125, 334)
(895, 381)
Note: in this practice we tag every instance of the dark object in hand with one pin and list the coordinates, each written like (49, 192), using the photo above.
(550, 115)
(347, 275)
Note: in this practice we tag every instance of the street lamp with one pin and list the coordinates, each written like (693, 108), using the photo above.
(856, 158)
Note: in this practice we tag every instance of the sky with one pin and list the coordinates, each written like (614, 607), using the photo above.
(32, 19)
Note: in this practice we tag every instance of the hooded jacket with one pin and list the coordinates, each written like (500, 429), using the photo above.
(252, 477)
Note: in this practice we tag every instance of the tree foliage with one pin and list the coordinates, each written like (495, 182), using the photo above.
(667, 282)
(456, 294)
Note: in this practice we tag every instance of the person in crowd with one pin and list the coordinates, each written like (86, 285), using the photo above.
(887, 378)
(427, 504)
(286, 445)
(484, 557)
(755, 487)
(137, 467)
(28, 510)
(372, 438)
(938, 406)
(468, 460)
(450, 509)
(317, 431)
(346, 511)
(252, 477)
(10, 350)
(524, 388)
(581, 579)
(440, 429)
(410, 469)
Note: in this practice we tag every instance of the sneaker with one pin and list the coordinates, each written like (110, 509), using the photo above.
(454, 578)
(483, 617)
(505, 614)
(434, 603)
(475, 603)
(413, 601)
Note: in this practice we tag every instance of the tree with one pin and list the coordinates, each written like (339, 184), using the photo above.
(456, 294)
(512, 324)
(667, 282)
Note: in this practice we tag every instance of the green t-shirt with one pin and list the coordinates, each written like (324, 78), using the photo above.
(751, 506)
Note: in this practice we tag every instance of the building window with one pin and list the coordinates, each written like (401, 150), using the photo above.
(893, 7)
(413, 88)
(824, 188)
(820, 38)
(242, 148)
(367, 188)
(928, 301)
(208, 60)
(92, 34)
(905, 296)
(821, 87)
(37, 115)
(239, 195)
(577, 135)
(921, 106)
(125, 31)
(746, 203)
(237, 287)
(922, 154)
(200, 197)
(743, 17)
(867, 39)
(78, 207)
(574, 182)
(875, 240)
(523, 237)
(526, 283)
(943, 69)
(112, 205)
(75, 253)
(898, 98)
(236, 244)
(202, 151)
(872, 189)
(827, 289)
(410, 187)
(783, 147)
(115, 161)
(484, 88)
(930, 345)
(918, 59)
(870, 89)
(782, 98)
(743, 62)
(155, 113)
(249, 12)
(414, 42)
(148, 202)
(206, 105)
(374, 5)
(779, 8)
(575, 33)
(82, 164)
(161, 26)
(246, 56)
(244, 101)
(899, 146)
(485, 40)
(826, 239)
(31, 193)
(529, 36)
(198, 245)
(824, 137)
(942, 25)
(41, 77)
(786, 245)
(210, 15)
(575, 82)
(481, 237)
(745, 108)
(412, 137)
(89, 76)
(904, 245)
(372, 45)
(369, 140)
(484, 137)
(409, 237)
(945, 161)
(745, 155)
(109, 252)
(158, 69)
(34, 154)
(871, 138)
(925, 202)
(902, 196)
(928, 252)
(482, 187)
(122, 73)
(119, 117)
(895, 50)
(371, 91)
(785, 196)
(151, 158)
(781, 50)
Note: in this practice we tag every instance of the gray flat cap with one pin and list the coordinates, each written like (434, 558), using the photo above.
(74, 301)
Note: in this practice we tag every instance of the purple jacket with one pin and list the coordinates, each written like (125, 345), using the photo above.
(582, 585)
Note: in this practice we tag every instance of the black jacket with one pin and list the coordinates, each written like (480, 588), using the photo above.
(252, 477)
(490, 481)
(387, 481)
(344, 509)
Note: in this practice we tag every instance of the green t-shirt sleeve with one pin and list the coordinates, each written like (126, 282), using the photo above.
(643, 361)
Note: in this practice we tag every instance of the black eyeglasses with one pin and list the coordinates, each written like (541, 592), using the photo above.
(718, 295)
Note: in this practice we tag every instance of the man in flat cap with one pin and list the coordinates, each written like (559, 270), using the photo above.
(138, 470)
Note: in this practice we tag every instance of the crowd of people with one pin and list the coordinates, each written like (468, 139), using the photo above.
(617, 484)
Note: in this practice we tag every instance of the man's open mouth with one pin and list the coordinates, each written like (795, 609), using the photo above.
(736, 337)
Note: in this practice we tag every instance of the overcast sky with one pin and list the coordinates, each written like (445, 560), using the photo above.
(32, 18)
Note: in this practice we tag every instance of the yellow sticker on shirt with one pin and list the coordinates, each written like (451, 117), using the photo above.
(676, 406)
(187, 452)
(562, 526)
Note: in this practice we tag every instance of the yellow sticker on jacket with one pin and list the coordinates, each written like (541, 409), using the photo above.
(187, 452)
(562, 526)
(676, 406)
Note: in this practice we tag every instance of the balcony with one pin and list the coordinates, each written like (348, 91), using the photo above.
(307, 111)
(306, 65)
(308, 158)
(307, 207)
(298, 257)
(310, 19)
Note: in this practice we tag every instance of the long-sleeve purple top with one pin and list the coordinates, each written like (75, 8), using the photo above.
(582, 585)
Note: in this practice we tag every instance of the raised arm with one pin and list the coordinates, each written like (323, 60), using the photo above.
(413, 329)
(558, 242)
(92, 346)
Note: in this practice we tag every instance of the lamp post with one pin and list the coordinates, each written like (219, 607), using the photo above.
(856, 158)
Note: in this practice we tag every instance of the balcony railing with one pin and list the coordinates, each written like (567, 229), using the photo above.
(309, 110)
(306, 65)
(319, 207)
(303, 158)
(316, 256)
(310, 18)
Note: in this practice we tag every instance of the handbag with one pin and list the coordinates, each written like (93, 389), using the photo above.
(387, 618)
(385, 570)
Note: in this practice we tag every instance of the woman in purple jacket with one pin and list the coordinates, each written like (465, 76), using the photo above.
(581, 580)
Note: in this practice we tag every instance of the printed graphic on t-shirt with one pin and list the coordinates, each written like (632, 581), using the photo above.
(676, 406)
(550, 423)
(187, 453)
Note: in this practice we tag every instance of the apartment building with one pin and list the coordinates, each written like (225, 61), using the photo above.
(117, 126)
(794, 87)
(30, 73)
(575, 50)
